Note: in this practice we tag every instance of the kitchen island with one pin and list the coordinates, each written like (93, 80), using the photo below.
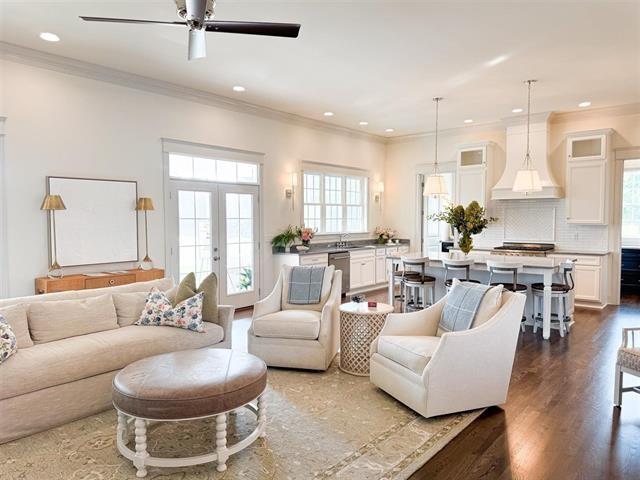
(535, 269)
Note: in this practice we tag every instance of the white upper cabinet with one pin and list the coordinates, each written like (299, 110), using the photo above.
(471, 173)
(589, 177)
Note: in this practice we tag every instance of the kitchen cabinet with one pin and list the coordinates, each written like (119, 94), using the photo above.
(320, 259)
(381, 265)
(471, 173)
(588, 275)
(630, 274)
(588, 177)
(362, 269)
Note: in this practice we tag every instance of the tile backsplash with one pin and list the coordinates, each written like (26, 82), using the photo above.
(542, 220)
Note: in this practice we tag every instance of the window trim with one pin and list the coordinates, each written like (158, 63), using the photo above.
(630, 166)
(364, 179)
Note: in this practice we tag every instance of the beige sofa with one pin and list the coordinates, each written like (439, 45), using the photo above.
(55, 382)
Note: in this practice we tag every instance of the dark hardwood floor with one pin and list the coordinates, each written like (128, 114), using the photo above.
(559, 422)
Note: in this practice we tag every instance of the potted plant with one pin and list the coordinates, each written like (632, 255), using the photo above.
(306, 234)
(466, 221)
(384, 234)
(285, 238)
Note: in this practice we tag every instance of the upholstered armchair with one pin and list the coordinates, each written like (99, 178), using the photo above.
(458, 371)
(297, 336)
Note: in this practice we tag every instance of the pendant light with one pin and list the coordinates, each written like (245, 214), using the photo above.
(527, 179)
(435, 184)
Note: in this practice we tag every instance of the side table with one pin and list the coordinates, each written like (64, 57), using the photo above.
(359, 326)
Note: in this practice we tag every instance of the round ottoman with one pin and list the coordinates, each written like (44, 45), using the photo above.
(188, 385)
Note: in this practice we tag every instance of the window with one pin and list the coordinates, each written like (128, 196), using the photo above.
(631, 204)
(212, 170)
(431, 229)
(335, 203)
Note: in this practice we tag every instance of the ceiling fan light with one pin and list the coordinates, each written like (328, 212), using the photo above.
(527, 181)
(435, 185)
(197, 44)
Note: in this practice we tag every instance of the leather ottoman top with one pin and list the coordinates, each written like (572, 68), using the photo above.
(189, 384)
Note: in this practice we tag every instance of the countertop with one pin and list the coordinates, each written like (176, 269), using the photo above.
(315, 250)
(480, 258)
(558, 251)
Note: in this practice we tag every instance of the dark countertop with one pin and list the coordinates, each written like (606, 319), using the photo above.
(330, 247)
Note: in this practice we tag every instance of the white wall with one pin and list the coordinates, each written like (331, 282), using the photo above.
(404, 156)
(61, 124)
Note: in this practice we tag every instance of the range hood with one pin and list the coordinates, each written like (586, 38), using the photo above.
(516, 150)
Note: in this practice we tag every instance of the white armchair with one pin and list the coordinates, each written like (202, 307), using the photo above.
(455, 372)
(304, 337)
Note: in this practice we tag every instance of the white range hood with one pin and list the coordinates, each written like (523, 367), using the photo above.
(516, 150)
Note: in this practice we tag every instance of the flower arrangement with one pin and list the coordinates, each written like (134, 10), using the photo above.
(384, 234)
(306, 234)
(467, 221)
(285, 238)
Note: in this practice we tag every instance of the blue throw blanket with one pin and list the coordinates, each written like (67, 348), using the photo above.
(305, 285)
(462, 305)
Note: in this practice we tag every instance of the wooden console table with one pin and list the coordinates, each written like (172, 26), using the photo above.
(85, 282)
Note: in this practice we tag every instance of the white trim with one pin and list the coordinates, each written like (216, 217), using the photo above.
(4, 247)
(70, 66)
(627, 153)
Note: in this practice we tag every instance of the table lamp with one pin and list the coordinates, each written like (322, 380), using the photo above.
(145, 204)
(51, 203)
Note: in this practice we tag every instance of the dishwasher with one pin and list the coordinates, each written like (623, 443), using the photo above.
(341, 260)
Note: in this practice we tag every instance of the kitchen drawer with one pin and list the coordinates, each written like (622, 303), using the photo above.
(315, 259)
(381, 252)
(404, 249)
(585, 260)
(630, 259)
(364, 253)
(111, 281)
(630, 278)
(392, 250)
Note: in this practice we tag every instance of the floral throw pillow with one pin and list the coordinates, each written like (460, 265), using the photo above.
(8, 342)
(158, 311)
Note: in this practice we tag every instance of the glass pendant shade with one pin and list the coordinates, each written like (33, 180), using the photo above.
(527, 181)
(435, 185)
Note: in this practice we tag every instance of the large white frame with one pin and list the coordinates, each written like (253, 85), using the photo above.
(4, 247)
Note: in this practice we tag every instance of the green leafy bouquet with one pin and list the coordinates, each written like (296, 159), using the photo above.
(467, 221)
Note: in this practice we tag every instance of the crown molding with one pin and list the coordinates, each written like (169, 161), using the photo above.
(614, 111)
(480, 127)
(71, 66)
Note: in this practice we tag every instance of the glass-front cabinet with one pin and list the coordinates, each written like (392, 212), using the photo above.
(587, 147)
(471, 173)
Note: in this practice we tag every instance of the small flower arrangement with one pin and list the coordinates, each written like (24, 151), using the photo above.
(384, 234)
(306, 234)
(467, 221)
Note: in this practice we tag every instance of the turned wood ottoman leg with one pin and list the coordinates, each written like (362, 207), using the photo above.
(141, 447)
(122, 431)
(221, 442)
(262, 415)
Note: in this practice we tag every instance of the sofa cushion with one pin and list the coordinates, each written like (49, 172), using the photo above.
(324, 295)
(158, 311)
(49, 321)
(16, 316)
(412, 352)
(208, 286)
(302, 324)
(129, 307)
(49, 364)
(162, 284)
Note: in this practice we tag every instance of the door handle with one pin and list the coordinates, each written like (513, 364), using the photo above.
(215, 259)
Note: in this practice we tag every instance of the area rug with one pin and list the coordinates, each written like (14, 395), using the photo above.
(320, 426)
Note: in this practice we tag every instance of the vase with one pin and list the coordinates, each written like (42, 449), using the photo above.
(305, 243)
(287, 249)
(465, 243)
(381, 241)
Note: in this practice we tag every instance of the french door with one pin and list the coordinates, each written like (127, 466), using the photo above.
(215, 228)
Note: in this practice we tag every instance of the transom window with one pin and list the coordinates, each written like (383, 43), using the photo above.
(211, 169)
(335, 203)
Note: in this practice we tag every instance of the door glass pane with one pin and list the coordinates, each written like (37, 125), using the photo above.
(194, 233)
(240, 242)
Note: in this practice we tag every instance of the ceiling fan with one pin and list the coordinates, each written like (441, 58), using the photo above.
(198, 15)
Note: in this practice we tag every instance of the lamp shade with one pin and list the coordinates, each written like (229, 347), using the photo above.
(435, 185)
(527, 181)
(145, 203)
(52, 202)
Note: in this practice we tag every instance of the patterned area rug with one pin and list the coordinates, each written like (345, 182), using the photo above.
(320, 425)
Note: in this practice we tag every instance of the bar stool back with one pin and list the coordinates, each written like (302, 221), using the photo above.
(560, 292)
(508, 268)
(417, 286)
(398, 279)
(457, 265)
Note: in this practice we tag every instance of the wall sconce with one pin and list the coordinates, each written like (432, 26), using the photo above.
(290, 192)
(378, 195)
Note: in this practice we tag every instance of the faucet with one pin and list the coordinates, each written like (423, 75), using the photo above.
(343, 243)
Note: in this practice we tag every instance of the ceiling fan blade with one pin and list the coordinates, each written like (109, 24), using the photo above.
(197, 44)
(255, 28)
(128, 20)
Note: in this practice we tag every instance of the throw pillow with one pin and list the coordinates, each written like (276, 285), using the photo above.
(158, 311)
(16, 317)
(8, 341)
(208, 286)
(129, 306)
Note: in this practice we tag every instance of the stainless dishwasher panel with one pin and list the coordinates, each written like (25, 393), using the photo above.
(341, 260)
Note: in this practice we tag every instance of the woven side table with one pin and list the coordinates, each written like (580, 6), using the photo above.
(359, 326)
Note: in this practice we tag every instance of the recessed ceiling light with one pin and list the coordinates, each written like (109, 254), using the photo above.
(238, 88)
(389, 130)
(517, 110)
(468, 120)
(49, 37)
(584, 104)
(364, 124)
(328, 114)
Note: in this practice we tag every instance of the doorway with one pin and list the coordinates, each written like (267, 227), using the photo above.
(630, 230)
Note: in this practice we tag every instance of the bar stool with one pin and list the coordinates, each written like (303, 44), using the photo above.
(398, 276)
(560, 292)
(507, 268)
(417, 284)
(457, 265)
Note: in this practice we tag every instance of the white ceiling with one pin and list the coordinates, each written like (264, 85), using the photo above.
(375, 61)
